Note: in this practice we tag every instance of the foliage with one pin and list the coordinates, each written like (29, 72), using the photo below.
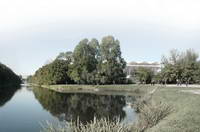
(53, 73)
(89, 63)
(144, 75)
(8, 77)
(112, 64)
(65, 56)
(182, 66)
(84, 66)
(29, 79)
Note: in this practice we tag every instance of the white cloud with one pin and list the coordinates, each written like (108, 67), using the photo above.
(21, 13)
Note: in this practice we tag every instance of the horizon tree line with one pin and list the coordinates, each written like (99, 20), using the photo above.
(93, 62)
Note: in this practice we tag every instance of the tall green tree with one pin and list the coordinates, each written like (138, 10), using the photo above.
(85, 62)
(191, 66)
(95, 49)
(112, 64)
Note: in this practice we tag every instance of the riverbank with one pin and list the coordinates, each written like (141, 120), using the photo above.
(185, 116)
(107, 88)
(101, 89)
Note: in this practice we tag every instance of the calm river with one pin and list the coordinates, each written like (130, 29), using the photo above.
(25, 109)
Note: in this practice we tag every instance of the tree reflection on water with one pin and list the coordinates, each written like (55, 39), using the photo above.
(6, 94)
(71, 106)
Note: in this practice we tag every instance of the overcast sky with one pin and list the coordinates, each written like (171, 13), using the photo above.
(35, 31)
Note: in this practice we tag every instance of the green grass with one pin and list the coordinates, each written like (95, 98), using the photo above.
(98, 88)
(186, 111)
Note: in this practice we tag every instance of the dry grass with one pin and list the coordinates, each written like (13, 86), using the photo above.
(150, 113)
(97, 125)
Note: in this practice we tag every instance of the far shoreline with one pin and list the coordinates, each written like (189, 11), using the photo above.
(123, 88)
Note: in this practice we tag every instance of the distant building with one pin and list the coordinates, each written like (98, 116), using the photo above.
(132, 66)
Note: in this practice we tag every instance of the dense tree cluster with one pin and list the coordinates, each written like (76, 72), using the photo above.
(180, 67)
(91, 62)
(8, 77)
(144, 75)
(53, 73)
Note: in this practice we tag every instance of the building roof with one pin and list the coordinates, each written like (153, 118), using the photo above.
(143, 63)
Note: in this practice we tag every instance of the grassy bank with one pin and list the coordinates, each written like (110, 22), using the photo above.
(185, 116)
(99, 88)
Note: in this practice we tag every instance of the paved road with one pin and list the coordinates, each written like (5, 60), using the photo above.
(184, 86)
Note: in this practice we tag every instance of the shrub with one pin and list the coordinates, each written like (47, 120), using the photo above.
(150, 113)
(97, 125)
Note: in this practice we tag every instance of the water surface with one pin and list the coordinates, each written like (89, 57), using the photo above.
(25, 109)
